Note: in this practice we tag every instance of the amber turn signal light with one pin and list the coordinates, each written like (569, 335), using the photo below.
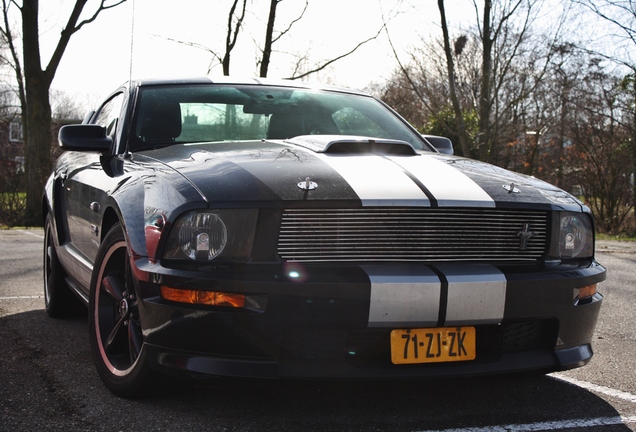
(587, 291)
(208, 298)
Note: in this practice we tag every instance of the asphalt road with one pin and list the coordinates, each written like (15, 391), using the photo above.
(47, 379)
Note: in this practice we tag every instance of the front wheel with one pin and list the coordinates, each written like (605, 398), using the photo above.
(115, 330)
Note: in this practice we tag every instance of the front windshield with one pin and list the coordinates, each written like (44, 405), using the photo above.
(209, 113)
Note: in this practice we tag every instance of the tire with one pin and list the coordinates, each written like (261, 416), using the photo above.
(115, 334)
(59, 301)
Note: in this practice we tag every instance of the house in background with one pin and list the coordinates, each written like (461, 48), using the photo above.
(12, 139)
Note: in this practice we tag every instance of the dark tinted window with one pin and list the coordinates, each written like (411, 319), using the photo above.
(209, 113)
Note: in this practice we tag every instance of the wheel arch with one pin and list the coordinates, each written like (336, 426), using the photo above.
(127, 210)
(51, 199)
(110, 218)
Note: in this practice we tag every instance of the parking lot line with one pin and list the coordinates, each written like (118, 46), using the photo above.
(546, 426)
(40, 236)
(607, 391)
(562, 424)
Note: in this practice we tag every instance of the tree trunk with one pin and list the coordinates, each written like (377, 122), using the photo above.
(37, 145)
(561, 142)
(267, 49)
(633, 138)
(231, 37)
(463, 136)
(34, 85)
(484, 97)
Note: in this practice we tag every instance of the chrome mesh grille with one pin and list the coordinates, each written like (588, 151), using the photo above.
(405, 234)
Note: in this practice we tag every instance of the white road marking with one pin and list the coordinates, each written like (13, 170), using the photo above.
(22, 297)
(546, 426)
(31, 233)
(607, 391)
(561, 424)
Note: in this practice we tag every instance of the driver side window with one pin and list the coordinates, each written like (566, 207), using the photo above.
(109, 114)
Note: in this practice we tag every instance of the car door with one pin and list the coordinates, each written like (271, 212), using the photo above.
(86, 187)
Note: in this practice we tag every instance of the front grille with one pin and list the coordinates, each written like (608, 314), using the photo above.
(418, 235)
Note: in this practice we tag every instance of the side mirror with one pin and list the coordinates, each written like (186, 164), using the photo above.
(84, 137)
(442, 144)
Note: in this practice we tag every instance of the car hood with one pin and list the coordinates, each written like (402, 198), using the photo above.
(272, 173)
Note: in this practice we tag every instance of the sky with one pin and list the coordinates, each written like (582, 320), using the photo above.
(138, 39)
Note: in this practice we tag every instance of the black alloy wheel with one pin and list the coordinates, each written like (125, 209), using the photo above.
(115, 329)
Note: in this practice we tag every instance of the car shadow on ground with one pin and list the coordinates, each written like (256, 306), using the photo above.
(47, 376)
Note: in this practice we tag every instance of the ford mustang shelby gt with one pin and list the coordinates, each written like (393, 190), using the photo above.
(253, 229)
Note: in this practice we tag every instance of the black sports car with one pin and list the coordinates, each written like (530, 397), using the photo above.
(282, 230)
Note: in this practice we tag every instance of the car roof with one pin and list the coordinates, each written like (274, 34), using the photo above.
(241, 80)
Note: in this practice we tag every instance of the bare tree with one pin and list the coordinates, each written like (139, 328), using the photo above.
(488, 70)
(34, 83)
(270, 39)
(324, 64)
(459, 115)
(601, 149)
(621, 16)
(65, 107)
(235, 22)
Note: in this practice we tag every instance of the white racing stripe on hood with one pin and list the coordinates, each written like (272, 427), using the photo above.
(448, 185)
(377, 181)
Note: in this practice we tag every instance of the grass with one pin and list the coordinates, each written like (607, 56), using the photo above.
(12, 206)
(619, 237)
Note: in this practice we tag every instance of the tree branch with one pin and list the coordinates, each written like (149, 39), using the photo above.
(232, 36)
(15, 58)
(71, 28)
(335, 59)
(291, 24)
(194, 45)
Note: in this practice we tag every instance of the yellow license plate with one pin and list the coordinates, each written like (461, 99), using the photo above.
(433, 345)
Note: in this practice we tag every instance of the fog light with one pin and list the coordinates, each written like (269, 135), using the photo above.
(208, 298)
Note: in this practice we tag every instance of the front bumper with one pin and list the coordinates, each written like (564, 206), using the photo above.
(334, 322)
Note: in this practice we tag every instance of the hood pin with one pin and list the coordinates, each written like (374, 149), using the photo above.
(307, 184)
(512, 188)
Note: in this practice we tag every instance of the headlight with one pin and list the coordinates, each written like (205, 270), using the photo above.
(575, 236)
(212, 235)
(202, 236)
